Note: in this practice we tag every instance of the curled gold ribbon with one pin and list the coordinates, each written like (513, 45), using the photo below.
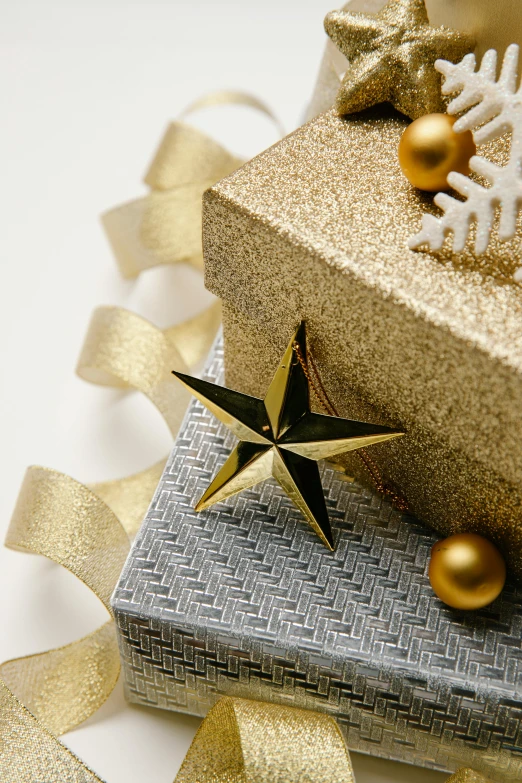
(30, 753)
(467, 776)
(242, 741)
(65, 521)
(87, 529)
(164, 227)
(77, 526)
(122, 349)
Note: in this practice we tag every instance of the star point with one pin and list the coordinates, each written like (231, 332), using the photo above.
(281, 437)
(386, 53)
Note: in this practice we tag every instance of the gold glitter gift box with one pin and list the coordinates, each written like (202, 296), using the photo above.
(317, 228)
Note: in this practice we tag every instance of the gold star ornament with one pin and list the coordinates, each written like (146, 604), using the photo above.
(391, 57)
(280, 437)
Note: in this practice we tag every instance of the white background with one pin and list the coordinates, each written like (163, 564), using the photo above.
(87, 87)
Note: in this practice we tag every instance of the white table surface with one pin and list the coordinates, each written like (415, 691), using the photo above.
(87, 88)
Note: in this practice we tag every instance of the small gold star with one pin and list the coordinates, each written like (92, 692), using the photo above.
(391, 57)
(280, 437)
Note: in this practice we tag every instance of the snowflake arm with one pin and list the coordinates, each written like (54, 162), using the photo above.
(459, 214)
(492, 101)
(493, 108)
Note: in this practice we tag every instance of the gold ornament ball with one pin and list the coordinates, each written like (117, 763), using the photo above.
(429, 149)
(466, 571)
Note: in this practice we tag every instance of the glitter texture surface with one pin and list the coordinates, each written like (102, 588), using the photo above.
(492, 29)
(316, 228)
(391, 57)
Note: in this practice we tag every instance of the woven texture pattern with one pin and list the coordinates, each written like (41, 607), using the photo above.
(244, 600)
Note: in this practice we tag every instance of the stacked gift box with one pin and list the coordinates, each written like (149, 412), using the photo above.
(243, 598)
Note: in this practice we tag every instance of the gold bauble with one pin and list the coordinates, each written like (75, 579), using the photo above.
(466, 571)
(429, 149)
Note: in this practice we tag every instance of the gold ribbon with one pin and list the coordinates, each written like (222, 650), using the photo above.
(164, 227)
(244, 741)
(122, 349)
(88, 529)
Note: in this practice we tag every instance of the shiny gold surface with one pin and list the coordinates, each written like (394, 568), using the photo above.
(391, 57)
(281, 437)
(243, 741)
(248, 464)
(466, 571)
(275, 396)
(317, 227)
(429, 149)
(467, 776)
(317, 449)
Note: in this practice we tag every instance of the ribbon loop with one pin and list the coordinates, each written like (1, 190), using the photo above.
(129, 497)
(165, 226)
(243, 741)
(161, 228)
(233, 98)
(122, 349)
(185, 156)
(65, 686)
(65, 521)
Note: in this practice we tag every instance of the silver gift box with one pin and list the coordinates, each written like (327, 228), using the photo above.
(244, 600)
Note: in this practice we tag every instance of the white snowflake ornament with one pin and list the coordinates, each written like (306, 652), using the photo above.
(493, 109)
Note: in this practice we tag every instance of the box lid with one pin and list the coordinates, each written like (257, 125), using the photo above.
(317, 228)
